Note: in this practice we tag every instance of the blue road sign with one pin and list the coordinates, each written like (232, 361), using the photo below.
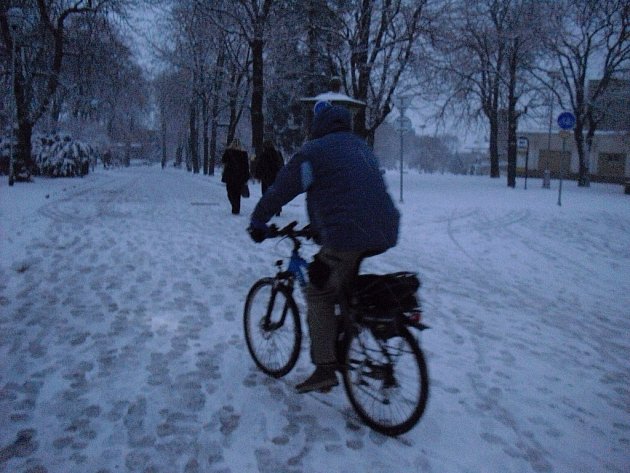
(566, 120)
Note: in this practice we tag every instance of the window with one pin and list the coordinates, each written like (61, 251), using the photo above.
(613, 158)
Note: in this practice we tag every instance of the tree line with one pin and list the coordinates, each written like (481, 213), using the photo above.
(229, 67)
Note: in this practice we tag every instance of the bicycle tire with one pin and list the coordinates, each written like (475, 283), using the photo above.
(370, 396)
(266, 345)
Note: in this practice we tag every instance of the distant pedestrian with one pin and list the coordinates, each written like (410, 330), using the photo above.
(235, 173)
(267, 165)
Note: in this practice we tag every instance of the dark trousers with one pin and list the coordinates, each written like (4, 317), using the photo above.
(321, 318)
(234, 196)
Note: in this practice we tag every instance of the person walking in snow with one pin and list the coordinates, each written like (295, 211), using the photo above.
(235, 173)
(351, 213)
(267, 165)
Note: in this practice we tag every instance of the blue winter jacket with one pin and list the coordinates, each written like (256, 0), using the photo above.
(347, 201)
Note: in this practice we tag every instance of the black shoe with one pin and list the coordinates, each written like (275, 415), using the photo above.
(323, 379)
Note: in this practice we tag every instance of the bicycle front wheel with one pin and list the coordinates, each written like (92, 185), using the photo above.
(386, 379)
(272, 327)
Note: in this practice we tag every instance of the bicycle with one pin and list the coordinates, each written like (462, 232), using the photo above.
(376, 352)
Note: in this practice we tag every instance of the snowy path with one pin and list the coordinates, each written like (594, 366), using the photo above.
(121, 336)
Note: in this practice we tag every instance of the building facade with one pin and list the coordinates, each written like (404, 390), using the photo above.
(609, 159)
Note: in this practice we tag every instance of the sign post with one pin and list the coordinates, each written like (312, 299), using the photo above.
(566, 122)
(404, 125)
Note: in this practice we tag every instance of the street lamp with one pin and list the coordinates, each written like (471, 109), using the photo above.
(404, 124)
(335, 97)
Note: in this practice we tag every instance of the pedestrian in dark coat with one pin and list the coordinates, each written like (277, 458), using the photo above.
(267, 165)
(235, 173)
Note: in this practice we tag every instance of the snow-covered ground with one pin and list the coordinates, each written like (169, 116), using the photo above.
(122, 346)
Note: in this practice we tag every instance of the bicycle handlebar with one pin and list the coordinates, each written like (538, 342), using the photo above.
(290, 231)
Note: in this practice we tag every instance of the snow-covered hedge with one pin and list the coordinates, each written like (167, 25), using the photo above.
(62, 156)
(56, 155)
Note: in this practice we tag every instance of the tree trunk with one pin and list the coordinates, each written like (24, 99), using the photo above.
(258, 121)
(360, 69)
(22, 155)
(511, 165)
(231, 129)
(578, 135)
(512, 122)
(205, 120)
(178, 153)
(494, 145)
(370, 137)
(24, 165)
(213, 145)
(163, 127)
(193, 143)
(234, 115)
(313, 53)
(578, 131)
(214, 112)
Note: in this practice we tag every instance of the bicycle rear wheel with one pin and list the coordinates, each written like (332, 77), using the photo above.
(274, 341)
(386, 379)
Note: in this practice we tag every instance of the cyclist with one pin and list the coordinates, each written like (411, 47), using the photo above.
(350, 212)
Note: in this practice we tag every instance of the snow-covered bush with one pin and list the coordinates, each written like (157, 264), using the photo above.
(62, 156)
(57, 155)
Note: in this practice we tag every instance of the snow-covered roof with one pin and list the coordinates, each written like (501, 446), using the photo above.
(334, 97)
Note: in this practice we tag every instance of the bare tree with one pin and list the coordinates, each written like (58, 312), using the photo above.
(470, 62)
(169, 86)
(379, 43)
(238, 86)
(198, 52)
(193, 53)
(250, 18)
(44, 25)
(587, 31)
(526, 28)
(100, 85)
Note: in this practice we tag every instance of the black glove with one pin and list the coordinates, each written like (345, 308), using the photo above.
(258, 231)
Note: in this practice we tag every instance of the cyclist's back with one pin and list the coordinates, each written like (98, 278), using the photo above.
(347, 200)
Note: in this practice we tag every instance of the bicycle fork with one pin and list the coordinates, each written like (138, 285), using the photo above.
(268, 324)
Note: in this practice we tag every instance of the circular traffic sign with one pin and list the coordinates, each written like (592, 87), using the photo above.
(566, 120)
(403, 124)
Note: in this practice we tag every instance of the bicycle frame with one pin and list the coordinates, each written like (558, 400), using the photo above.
(368, 361)
(297, 266)
(295, 271)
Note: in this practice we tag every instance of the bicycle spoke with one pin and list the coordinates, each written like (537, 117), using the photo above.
(272, 328)
(386, 381)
